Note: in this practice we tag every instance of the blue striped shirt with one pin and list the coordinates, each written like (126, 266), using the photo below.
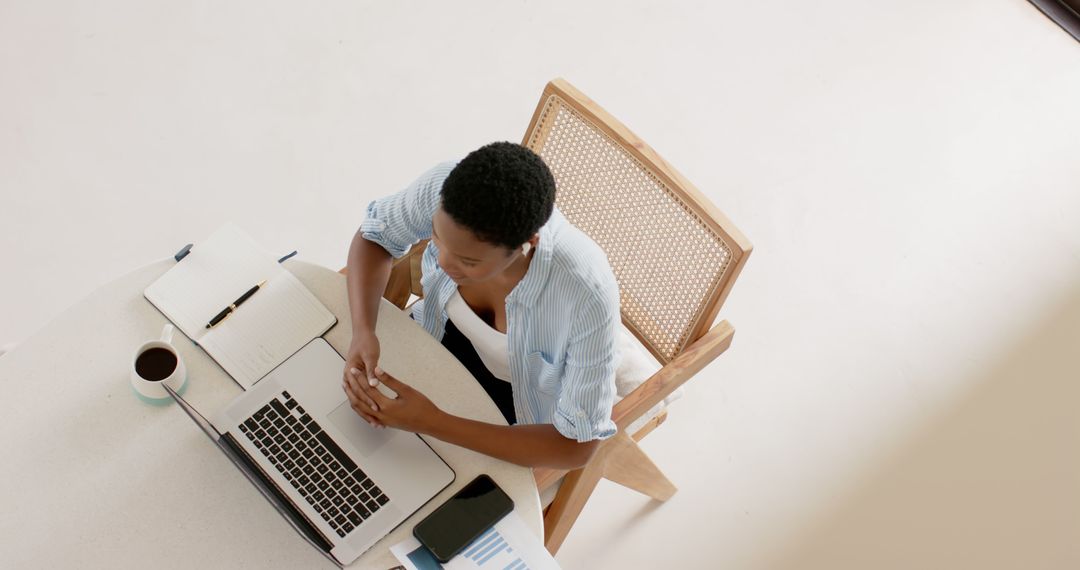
(561, 318)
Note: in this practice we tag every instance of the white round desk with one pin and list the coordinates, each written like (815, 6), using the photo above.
(92, 477)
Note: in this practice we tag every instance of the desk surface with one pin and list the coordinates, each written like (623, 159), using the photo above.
(94, 478)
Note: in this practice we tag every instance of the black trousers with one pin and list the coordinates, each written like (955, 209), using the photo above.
(499, 390)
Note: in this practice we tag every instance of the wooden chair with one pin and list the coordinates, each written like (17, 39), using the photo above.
(674, 254)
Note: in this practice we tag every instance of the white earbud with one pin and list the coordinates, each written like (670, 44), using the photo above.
(526, 248)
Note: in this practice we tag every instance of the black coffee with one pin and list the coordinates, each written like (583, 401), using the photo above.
(155, 364)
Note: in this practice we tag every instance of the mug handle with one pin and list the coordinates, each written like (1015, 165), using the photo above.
(166, 334)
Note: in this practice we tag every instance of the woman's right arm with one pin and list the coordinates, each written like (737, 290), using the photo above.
(391, 226)
(368, 272)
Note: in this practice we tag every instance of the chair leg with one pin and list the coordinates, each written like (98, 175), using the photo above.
(628, 466)
(568, 504)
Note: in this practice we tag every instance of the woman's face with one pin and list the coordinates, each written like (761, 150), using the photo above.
(463, 256)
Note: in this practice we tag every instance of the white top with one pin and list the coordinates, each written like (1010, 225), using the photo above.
(489, 343)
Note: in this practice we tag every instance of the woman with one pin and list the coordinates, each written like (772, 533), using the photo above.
(523, 299)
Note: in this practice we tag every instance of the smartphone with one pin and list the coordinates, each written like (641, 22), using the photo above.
(462, 519)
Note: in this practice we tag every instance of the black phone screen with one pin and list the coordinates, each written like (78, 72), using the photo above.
(459, 521)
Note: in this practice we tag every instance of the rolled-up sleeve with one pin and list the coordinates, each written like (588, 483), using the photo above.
(587, 393)
(399, 220)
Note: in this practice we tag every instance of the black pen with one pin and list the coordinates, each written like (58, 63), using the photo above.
(227, 310)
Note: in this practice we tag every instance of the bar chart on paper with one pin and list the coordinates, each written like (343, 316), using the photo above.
(509, 545)
(492, 551)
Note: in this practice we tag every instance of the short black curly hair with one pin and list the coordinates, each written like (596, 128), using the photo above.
(502, 192)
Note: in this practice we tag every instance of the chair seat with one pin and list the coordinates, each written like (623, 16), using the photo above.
(636, 365)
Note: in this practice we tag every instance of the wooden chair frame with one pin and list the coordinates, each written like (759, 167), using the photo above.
(619, 459)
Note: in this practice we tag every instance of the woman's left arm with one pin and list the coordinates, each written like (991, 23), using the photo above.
(537, 445)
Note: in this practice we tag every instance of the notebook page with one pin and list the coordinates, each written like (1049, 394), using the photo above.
(268, 328)
(215, 273)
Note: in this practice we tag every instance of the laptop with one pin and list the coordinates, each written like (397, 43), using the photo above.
(340, 483)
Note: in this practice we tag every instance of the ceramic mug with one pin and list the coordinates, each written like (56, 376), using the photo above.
(157, 362)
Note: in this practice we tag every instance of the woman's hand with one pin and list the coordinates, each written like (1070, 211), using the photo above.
(409, 411)
(360, 365)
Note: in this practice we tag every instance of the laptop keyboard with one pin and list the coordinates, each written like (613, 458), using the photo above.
(319, 470)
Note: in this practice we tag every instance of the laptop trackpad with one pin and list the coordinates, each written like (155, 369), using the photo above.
(365, 438)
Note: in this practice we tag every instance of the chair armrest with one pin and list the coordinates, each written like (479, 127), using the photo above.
(666, 380)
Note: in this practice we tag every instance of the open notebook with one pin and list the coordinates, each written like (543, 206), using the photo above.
(264, 331)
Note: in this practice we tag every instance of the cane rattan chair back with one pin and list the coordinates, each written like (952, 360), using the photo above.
(673, 253)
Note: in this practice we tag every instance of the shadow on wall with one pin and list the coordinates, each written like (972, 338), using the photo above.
(994, 483)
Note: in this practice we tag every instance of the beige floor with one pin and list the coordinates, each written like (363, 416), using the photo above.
(903, 388)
